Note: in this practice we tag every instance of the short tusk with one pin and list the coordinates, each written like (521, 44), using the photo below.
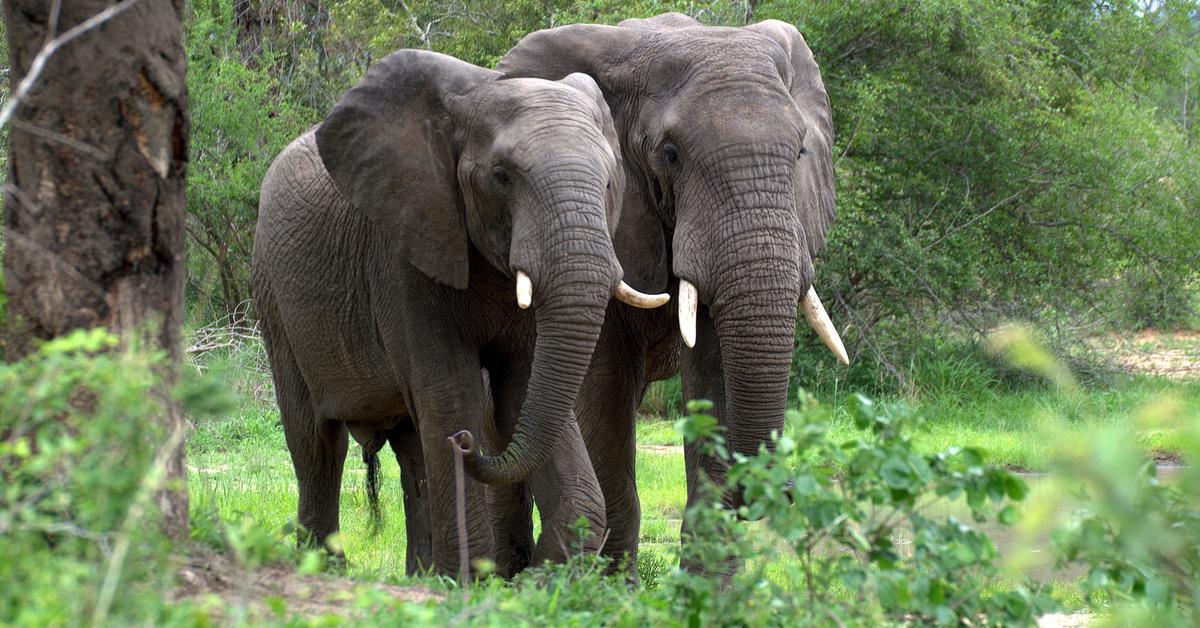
(524, 290)
(627, 294)
(689, 300)
(819, 319)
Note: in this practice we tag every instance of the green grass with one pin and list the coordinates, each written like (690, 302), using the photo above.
(1017, 429)
(240, 469)
(240, 466)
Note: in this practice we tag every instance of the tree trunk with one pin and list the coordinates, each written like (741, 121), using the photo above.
(94, 211)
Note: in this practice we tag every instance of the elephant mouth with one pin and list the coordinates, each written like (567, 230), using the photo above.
(623, 293)
(814, 313)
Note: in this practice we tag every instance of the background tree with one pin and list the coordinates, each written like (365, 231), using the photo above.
(995, 160)
(94, 210)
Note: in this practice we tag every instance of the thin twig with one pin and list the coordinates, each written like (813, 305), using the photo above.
(51, 47)
(460, 514)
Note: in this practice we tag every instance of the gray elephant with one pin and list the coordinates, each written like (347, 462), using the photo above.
(727, 140)
(390, 242)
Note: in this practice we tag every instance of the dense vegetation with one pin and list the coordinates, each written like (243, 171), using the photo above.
(1019, 159)
(1028, 159)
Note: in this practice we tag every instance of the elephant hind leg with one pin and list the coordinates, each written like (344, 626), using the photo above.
(318, 449)
(318, 459)
(417, 525)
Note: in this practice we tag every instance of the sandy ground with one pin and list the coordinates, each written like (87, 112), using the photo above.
(228, 591)
(1174, 354)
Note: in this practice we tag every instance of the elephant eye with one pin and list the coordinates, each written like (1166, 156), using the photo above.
(803, 152)
(500, 176)
(670, 154)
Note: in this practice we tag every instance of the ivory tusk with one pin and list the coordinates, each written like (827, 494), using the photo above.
(819, 319)
(626, 294)
(689, 300)
(524, 290)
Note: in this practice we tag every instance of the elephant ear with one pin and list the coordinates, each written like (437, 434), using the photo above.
(814, 180)
(388, 145)
(553, 53)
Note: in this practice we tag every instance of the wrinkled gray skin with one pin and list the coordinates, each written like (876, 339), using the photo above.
(383, 269)
(726, 135)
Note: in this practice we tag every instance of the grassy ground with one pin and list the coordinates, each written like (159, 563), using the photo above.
(1012, 428)
(241, 477)
(241, 470)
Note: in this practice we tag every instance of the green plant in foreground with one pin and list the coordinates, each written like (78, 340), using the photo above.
(1137, 535)
(76, 448)
(840, 509)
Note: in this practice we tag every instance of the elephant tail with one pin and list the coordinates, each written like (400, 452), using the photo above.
(371, 459)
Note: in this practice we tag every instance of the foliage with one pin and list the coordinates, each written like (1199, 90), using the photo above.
(239, 123)
(1137, 534)
(68, 503)
(994, 160)
(841, 507)
(1005, 158)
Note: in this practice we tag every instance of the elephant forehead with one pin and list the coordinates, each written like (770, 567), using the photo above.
(513, 97)
(713, 55)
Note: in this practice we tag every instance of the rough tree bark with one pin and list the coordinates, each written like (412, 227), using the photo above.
(94, 207)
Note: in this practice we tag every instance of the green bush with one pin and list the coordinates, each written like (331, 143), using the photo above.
(76, 464)
(1136, 534)
(839, 508)
(241, 119)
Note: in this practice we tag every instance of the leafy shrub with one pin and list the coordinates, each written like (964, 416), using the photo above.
(839, 508)
(1137, 535)
(69, 499)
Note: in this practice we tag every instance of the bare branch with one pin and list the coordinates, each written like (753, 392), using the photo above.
(82, 147)
(52, 46)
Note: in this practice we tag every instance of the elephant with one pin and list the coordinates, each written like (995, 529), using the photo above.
(726, 135)
(390, 241)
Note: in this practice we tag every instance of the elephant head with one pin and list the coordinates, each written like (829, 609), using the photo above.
(451, 161)
(727, 136)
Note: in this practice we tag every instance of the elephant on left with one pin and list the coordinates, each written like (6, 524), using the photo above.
(390, 241)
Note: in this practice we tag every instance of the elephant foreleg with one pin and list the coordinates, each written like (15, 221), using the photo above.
(607, 409)
(565, 488)
(510, 507)
(417, 527)
(443, 407)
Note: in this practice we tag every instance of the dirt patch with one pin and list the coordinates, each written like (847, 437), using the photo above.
(1167, 458)
(662, 449)
(1174, 354)
(221, 586)
(1064, 620)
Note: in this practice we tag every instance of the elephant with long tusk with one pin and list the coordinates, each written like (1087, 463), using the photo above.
(388, 243)
(727, 136)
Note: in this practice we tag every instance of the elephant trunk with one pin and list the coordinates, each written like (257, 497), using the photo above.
(756, 338)
(754, 288)
(571, 289)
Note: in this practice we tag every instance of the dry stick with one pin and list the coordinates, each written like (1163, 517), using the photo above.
(82, 147)
(51, 47)
(460, 508)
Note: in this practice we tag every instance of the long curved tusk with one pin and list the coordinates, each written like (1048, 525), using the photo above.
(524, 290)
(626, 294)
(689, 301)
(819, 319)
